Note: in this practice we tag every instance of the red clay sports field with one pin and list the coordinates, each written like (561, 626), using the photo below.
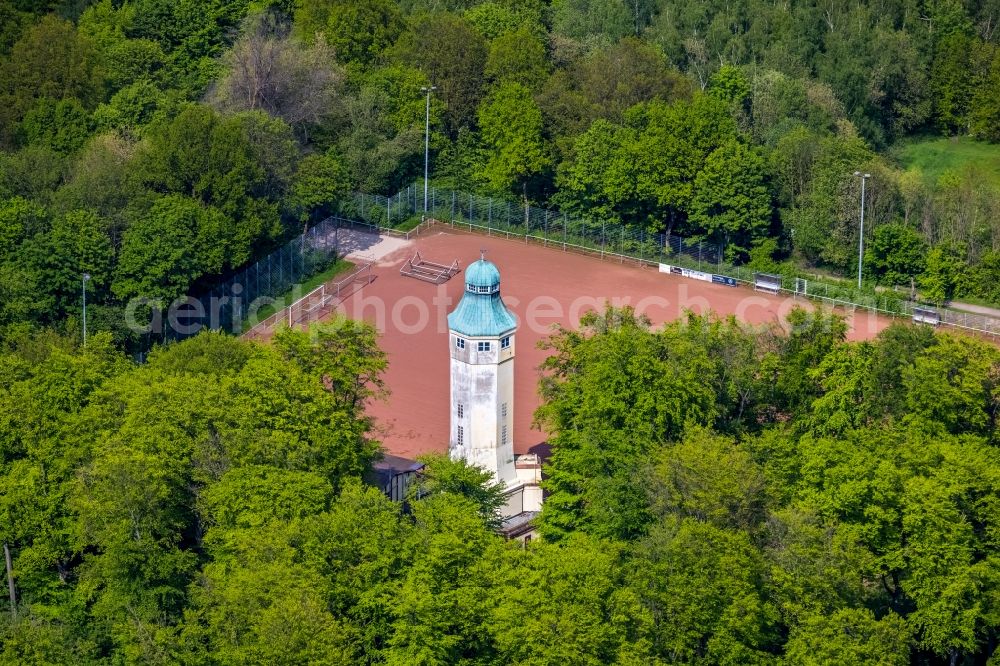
(543, 286)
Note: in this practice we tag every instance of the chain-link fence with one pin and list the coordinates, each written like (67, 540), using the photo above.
(385, 211)
(227, 305)
(512, 218)
(516, 219)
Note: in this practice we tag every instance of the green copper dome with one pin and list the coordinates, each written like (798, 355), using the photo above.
(482, 274)
(481, 312)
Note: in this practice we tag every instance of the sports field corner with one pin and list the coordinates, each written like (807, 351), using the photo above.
(544, 286)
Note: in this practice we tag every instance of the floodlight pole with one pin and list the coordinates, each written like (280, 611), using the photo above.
(861, 236)
(86, 277)
(427, 137)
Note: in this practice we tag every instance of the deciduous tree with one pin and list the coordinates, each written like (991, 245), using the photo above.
(896, 253)
(729, 200)
(50, 61)
(452, 55)
(511, 126)
(270, 71)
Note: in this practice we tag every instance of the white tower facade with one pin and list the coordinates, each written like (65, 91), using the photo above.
(481, 339)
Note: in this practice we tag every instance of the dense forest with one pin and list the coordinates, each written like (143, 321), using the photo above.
(719, 494)
(159, 145)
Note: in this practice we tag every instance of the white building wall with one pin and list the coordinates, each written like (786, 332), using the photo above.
(481, 383)
(504, 407)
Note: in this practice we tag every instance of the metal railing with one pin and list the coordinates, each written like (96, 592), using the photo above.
(227, 303)
(512, 218)
(306, 255)
(493, 215)
(317, 302)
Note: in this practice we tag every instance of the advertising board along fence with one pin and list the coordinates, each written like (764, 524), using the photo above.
(496, 216)
(714, 278)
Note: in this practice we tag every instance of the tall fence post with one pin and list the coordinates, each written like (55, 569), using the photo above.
(281, 268)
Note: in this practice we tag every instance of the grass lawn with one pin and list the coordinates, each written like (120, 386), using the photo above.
(408, 224)
(933, 157)
(283, 301)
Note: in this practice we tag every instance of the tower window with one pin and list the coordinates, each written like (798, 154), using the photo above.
(460, 343)
(461, 435)
(503, 435)
(484, 346)
(503, 410)
(461, 410)
(505, 342)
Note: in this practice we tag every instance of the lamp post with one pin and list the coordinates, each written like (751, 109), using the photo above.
(861, 236)
(427, 136)
(86, 278)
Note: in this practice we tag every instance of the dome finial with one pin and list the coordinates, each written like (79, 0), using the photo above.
(482, 254)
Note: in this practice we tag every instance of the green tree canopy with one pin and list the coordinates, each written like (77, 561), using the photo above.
(164, 252)
(729, 200)
(895, 253)
(515, 150)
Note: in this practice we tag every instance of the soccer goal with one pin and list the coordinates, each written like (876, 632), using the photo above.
(324, 298)
(428, 271)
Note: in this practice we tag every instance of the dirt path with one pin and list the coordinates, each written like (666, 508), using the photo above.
(975, 309)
